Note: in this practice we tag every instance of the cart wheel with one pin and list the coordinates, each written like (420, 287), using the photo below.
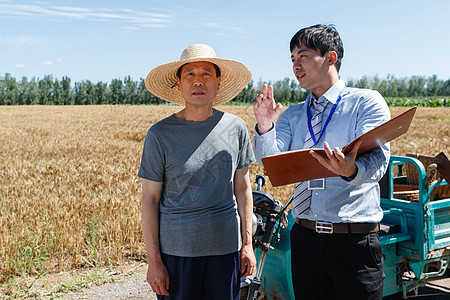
(244, 292)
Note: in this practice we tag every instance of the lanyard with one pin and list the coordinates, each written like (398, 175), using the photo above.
(311, 131)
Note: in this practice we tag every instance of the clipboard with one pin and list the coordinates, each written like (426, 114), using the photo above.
(295, 166)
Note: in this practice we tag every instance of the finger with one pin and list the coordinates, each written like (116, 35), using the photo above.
(315, 155)
(156, 289)
(167, 284)
(356, 147)
(328, 151)
(338, 154)
(278, 108)
(270, 92)
(264, 91)
(323, 161)
(245, 271)
(161, 290)
(251, 270)
(259, 98)
(243, 275)
(164, 292)
(243, 266)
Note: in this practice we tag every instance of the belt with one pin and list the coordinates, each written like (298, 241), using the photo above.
(325, 227)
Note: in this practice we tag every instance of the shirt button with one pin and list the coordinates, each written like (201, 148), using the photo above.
(315, 215)
(316, 193)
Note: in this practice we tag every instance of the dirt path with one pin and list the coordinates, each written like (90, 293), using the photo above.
(136, 288)
(131, 285)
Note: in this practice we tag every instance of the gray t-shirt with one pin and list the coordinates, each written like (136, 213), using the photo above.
(196, 162)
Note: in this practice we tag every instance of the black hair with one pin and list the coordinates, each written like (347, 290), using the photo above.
(320, 37)
(218, 73)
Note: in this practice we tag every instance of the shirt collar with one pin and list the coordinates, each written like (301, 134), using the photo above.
(332, 94)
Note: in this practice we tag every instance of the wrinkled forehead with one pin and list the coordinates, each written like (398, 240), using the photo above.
(198, 64)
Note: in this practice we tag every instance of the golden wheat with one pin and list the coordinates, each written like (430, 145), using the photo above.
(69, 191)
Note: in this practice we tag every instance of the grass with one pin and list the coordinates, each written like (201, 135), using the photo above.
(69, 191)
(18, 289)
(72, 284)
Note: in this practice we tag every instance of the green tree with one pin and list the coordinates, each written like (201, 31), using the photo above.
(57, 93)
(32, 92)
(416, 86)
(130, 91)
(101, 93)
(45, 89)
(247, 95)
(434, 86)
(9, 90)
(144, 96)
(79, 93)
(116, 91)
(90, 93)
(66, 91)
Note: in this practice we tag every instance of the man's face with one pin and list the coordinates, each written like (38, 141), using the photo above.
(198, 83)
(310, 68)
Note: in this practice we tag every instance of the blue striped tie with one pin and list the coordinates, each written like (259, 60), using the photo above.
(302, 196)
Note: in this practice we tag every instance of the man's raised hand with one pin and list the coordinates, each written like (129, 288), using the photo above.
(265, 109)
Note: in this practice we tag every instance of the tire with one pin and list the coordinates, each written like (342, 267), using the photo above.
(244, 292)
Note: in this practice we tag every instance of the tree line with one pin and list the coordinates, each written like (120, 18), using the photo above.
(51, 91)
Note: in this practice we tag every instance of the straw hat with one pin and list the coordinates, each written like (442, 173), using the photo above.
(161, 81)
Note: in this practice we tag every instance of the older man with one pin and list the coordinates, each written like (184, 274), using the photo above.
(196, 193)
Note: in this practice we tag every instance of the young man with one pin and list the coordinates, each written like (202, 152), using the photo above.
(335, 249)
(196, 195)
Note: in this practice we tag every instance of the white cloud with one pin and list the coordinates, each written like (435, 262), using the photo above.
(152, 25)
(212, 25)
(20, 66)
(72, 9)
(131, 28)
(28, 40)
(220, 26)
(51, 62)
(42, 10)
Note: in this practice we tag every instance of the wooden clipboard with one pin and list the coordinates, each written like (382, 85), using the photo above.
(295, 166)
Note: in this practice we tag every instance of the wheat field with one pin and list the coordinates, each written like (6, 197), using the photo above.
(69, 191)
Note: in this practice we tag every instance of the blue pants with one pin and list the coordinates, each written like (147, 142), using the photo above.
(336, 266)
(205, 277)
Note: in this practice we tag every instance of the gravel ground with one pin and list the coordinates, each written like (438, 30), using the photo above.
(135, 287)
(132, 286)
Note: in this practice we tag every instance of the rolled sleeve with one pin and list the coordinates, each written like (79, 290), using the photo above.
(371, 166)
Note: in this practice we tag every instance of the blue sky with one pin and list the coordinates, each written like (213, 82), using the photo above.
(103, 40)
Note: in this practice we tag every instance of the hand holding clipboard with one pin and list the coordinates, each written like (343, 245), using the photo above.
(295, 166)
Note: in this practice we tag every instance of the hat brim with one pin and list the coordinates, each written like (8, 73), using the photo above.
(161, 81)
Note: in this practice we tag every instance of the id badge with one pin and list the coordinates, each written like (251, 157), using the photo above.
(316, 184)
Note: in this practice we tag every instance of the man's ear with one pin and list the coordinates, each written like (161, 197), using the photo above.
(332, 57)
(178, 84)
(218, 81)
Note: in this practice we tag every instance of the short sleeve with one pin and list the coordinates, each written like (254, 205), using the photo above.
(153, 158)
(246, 155)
